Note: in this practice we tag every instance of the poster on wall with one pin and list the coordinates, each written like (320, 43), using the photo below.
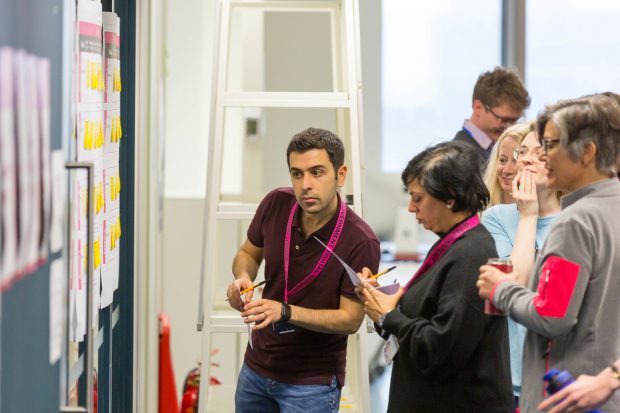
(8, 176)
(112, 182)
(24, 160)
(28, 166)
(43, 110)
(90, 128)
(58, 194)
(78, 256)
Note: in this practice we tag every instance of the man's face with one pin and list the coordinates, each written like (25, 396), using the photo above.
(494, 120)
(314, 180)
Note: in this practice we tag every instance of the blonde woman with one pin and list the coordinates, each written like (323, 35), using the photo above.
(520, 229)
(502, 165)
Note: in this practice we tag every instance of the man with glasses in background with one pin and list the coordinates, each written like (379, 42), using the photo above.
(498, 101)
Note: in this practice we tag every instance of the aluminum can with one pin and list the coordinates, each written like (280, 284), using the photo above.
(504, 265)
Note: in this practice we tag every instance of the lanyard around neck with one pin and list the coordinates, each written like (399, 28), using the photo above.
(440, 249)
(342, 213)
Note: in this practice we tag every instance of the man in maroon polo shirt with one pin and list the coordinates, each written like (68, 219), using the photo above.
(309, 304)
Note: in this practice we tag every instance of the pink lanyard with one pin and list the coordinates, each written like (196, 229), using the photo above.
(442, 247)
(342, 213)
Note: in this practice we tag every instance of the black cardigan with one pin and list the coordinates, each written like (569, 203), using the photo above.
(452, 357)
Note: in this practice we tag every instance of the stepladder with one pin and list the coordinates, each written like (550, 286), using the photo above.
(279, 67)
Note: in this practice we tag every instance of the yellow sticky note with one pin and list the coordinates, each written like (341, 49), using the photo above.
(96, 253)
(87, 136)
(99, 134)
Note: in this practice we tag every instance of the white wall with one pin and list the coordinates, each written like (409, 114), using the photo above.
(383, 191)
(189, 37)
(189, 32)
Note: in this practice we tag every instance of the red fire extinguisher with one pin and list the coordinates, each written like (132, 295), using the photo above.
(189, 402)
(191, 388)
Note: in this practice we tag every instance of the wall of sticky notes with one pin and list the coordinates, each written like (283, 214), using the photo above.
(98, 136)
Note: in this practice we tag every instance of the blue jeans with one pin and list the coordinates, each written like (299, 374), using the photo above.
(257, 394)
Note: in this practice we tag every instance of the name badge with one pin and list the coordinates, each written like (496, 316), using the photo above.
(390, 348)
(284, 327)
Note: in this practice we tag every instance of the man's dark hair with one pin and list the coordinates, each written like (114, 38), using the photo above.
(315, 138)
(500, 86)
(449, 171)
(593, 118)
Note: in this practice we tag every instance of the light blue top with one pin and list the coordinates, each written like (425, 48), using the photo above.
(502, 222)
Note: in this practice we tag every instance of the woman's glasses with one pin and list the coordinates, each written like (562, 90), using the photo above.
(549, 144)
(536, 154)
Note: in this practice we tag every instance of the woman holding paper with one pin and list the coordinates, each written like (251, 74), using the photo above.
(448, 354)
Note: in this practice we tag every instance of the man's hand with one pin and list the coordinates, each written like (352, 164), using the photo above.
(489, 276)
(262, 312)
(585, 394)
(233, 293)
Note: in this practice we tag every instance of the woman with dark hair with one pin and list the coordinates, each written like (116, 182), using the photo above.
(448, 355)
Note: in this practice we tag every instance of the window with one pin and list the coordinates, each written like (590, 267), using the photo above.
(571, 49)
(433, 53)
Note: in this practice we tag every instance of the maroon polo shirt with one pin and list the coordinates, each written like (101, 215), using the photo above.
(305, 357)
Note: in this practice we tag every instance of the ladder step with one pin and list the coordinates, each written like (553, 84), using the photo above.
(297, 6)
(235, 210)
(287, 99)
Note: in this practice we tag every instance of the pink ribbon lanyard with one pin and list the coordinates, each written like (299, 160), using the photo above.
(443, 246)
(342, 214)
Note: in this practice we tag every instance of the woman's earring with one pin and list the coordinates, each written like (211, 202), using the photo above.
(448, 206)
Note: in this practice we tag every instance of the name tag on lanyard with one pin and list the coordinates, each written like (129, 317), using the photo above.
(284, 327)
(390, 348)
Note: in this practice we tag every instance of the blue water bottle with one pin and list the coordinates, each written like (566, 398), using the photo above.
(556, 380)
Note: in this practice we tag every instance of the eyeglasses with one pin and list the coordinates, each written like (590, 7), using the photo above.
(549, 144)
(522, 151)
(505, 121)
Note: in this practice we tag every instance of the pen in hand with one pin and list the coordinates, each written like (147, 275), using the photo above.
(382, 272)
(250, 288)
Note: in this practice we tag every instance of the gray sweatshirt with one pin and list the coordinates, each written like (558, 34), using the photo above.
(576, 307)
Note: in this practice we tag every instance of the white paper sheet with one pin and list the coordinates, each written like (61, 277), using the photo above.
(57, 308)
(22, 158)
(78, 256)
(58, 201)
(43, 109)
(111, 230)
(90, 121)
(90, 52)
(355, 279)
(111, 36)
(113, 134)
(34, 148)
(8, 163)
